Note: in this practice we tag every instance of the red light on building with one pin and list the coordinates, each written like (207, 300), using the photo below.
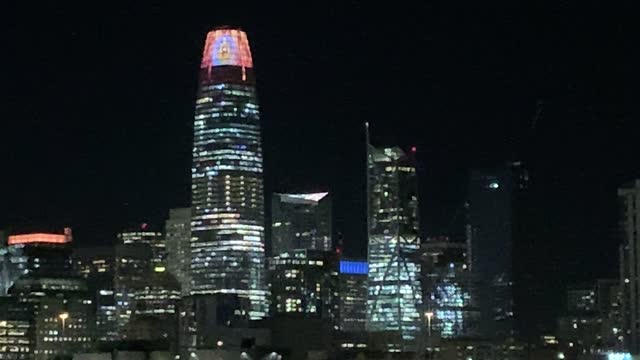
(414, 149)
(41, 238)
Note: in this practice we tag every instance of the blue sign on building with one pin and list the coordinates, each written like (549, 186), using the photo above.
(354, 267)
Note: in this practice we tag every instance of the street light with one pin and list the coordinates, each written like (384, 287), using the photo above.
(429, 316)
(63, 316)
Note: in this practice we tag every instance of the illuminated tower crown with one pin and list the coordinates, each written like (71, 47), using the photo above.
(226, 46)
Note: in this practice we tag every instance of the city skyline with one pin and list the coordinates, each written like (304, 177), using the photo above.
(117, 168)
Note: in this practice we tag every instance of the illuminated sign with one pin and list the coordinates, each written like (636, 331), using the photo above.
(354, 267)
(226, 47)
(41, 238)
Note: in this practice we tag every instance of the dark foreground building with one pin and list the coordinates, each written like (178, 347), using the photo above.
(495, 221)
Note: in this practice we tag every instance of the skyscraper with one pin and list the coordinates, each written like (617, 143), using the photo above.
(304, 283)
(394, 298)
(133, 267)
(300, 221)
(353, 295)
(227, 248)
(44, 254)
(446, 284)
(629, 198)
(178, 234)
(97, 265)
(495, 222)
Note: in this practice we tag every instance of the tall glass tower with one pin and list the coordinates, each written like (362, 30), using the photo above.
(227, 245)
(394, 299)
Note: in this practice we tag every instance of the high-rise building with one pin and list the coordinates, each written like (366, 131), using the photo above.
(155, 240)
(62, 312)
(156, 300)
(300, 221)
(394, 301)
(353, 296)
(178, 234)
(447, 284)
(629, 199)
(97, 266)
(304, 283)
(227, 193)
(17, 329)
(45, 254)
(494, 224)
(133, 267)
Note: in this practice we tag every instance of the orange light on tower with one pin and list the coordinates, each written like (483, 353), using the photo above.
(226, 47)
(41, 238)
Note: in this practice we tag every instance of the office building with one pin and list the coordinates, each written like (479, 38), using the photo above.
(97, 266)
(304, 283)
(446, 282)
(495, 222)
(592, 323)
(46, 254)
(227, 193)
(133, 267)
(17, 330)
(394, 299)
(178, 233)
(155, 301)
(300, 221)
(62, 313)
(218, 319)
(94, 263)
(155, 240)
(629, 200)
(353, 295)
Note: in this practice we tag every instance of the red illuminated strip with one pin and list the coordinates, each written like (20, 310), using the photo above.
(39, 238)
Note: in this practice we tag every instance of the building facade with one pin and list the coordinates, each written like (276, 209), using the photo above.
(178, 233)
(353, 296)
(42, 254)
(394, 300)
(133, 267)
(97, 266)
(13, 265)
(446, 280)
(300, 221)
(629, 200)
(155, 240)
(62, 313)
(494, 222)
(227, 196)
(17, 329)
(304, 283)
(592, 321)
(156, 301)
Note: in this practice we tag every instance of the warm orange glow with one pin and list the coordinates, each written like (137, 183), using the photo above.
(41, 238)
(226, 47)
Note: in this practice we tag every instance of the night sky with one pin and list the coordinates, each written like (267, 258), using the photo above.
(96, 117)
